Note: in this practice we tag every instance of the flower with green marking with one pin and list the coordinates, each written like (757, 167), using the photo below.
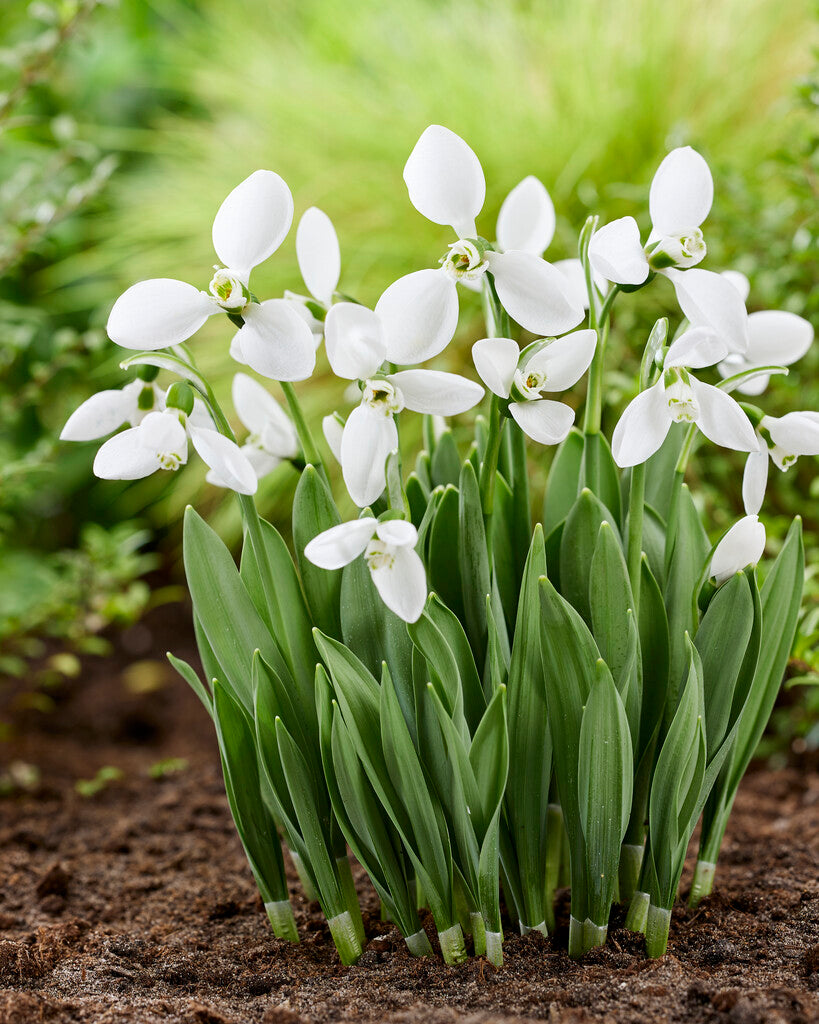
(107, 411)
(465, 260)
(782, 439)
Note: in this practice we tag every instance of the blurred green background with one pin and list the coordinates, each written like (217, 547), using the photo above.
(123, 126)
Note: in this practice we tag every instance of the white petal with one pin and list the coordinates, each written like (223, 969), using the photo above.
(318, 253)
(754, 386)
(235, 350)
(796, 433)
(276, 342)
(527, 218)
(445, 180)
(398, 533)
(368, 439)
(533, 293)
(778, 338)
(721, 419)
(435, 392)
(354, 338)
(564, 360)
(333, 429)
(642, 428)
(100, 415)
(543, 420)
(261, 461)
(124, 457)
(226, 459)
(403, 585)
(339, 545)
(496, 360)
(263, 416)
(158, 313)
(754, 481)
(698, 347)
(252, 222)
(708, 300)
(162, 432)
(616, 252)
(201, 417)
(419, 313)
(681, 192)
(743, 544)
(573, 271)
(739, 281)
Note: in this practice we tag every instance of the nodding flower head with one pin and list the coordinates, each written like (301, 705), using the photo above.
(465, 260)
(228, 290)
(383, 397)
(683, 250)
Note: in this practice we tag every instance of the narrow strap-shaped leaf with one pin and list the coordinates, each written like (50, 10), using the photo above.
(314, 511)
(444, 566)
(599, 473)
(563, 481)
(489, 758)
(193, 680)
(445, 466)
(577, 548)
(453, 632)
(474, 562)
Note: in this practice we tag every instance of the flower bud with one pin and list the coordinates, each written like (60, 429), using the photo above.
(682, 251)
(180, 396)
(466, 259)
(147, 373)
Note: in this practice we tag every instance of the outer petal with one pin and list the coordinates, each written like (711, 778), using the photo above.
(616, 252)
(527, 218)
(354, 339)
(573, 271)
(339, 545)
(419, 313)
(445, 180)
(754, 481)
(543, 420)
(533, 293)
(496, 360)
(158, 313)
(642, 428)
(333, 429)
(226, 459)
(681, 192)
(99, 415)
(565, 360)
(318, 253)
(124, 457)
(435, 392)
(403, 585)
(368, 439)
(797, 433)
(743, 544)
(398, 533)
(721, 419)
(276, 342)
(261, 461)
(699, 346)
(252, 222)
(708, 300)
(739, 281)
(777, 337)
(262, 415)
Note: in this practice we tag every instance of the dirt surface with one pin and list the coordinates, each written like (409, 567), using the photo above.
(134, 903)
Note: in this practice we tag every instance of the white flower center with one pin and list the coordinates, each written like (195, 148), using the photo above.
(530, 382)
(382, 397)
(464, 261)
(379, 555)
(682, 250)
(681, 402)
(228, 290)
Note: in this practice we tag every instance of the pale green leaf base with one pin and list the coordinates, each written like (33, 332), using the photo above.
(631, 861)
(418, 944)
(702, 883)
(638, 912)
(280, 915)
(452, 945)
(657, 925)
(494, 948)
(343, 931)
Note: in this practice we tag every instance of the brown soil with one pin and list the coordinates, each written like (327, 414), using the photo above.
(136, 904)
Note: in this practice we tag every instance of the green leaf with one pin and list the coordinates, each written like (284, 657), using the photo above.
(474, 701)
(654, 650)
(474, 562)
(600, 475)
(563, 482)
(193, 680)
(445, 467)
(314, 511)
(660, 470)
(417, 498)
(504, 551)
(577, 549)
(489, 758)
(610, 600)
(444, 566)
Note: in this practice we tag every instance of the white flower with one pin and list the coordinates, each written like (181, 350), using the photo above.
(332, 427)
(526, 221)
(742, 545)
(551, 365)
(678, 397)
(389, 549)
(446, 184)
(272, 436)
(318, 254)
(161, 442)
(774, 339)
(107, 411)
(574, 273)
(357, 348)
(782, 439)
(249, 226)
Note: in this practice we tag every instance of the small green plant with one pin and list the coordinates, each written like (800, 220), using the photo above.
(466, 699)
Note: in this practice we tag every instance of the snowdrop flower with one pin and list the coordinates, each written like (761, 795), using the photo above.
(107, 411)
(774, 338)
(742, 545)
(272, 436)
(550, 365)
(389, 549)
(679, 397)
(782, 439)
(161, 442)
(446, 185)
(249, 226)
(356, 341)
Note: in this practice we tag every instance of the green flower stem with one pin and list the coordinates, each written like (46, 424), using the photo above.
(308, 445)
(343, 930)
(638, 911)
(345, 877)
(452, 945)
(636, 511)
(280, 915)
(658, 922)
(631, 861)
(703, 881)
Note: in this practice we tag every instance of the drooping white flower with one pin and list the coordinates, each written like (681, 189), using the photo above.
(775, 338)
(389, 549)
(446, 185)
(782, 439)
(551, 366)
(357, 349)
(318, 254)
(679, 397)
(107, 411)
(249, 226)
(161, 442)
(742, 545)
(272, 436)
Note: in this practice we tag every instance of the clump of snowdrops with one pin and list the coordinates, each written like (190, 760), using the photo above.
(473, 703)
